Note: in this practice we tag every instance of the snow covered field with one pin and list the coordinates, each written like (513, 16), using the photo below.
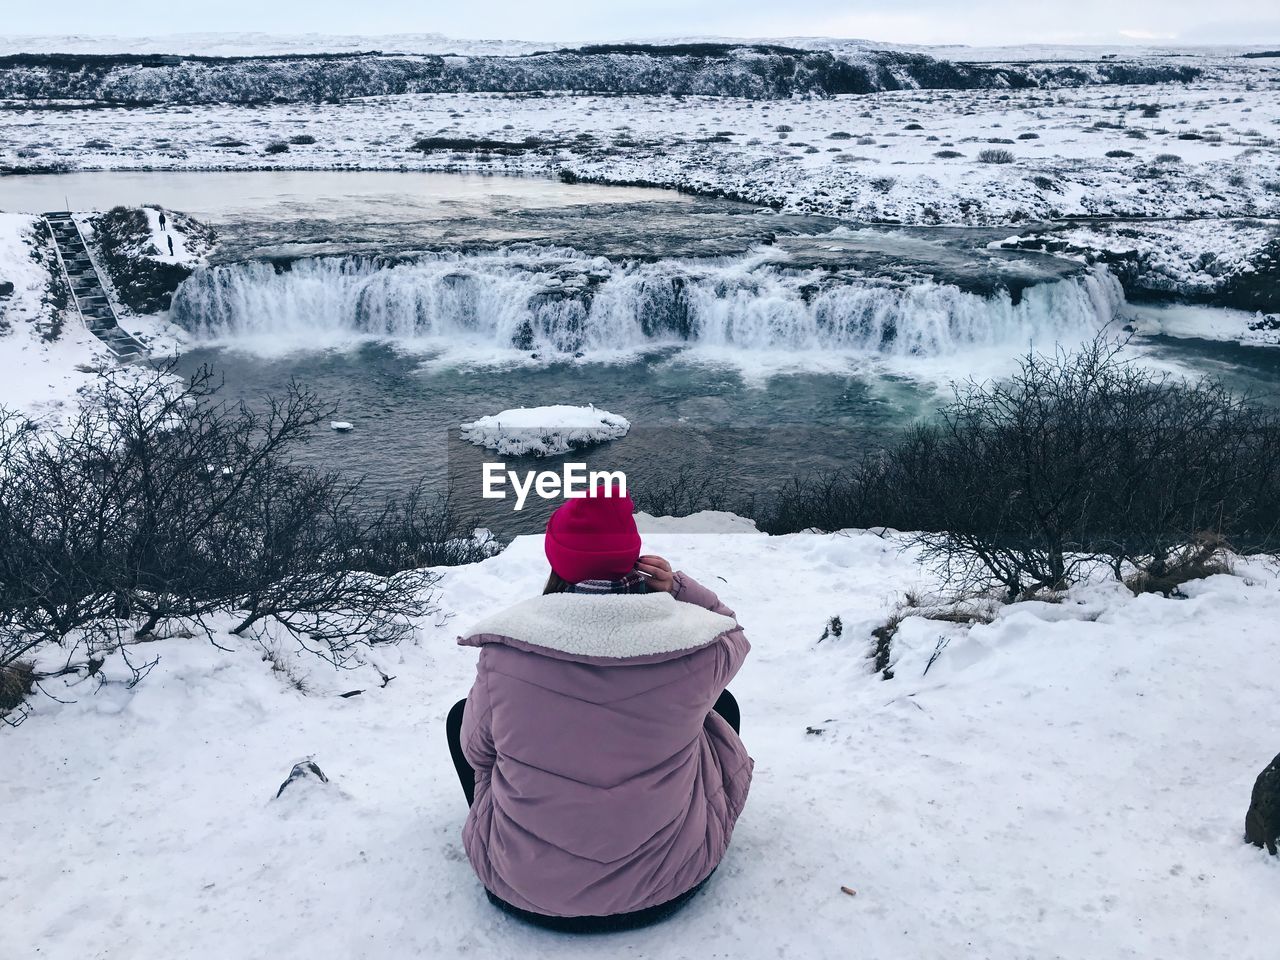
(1069, 781)
(1206, 148)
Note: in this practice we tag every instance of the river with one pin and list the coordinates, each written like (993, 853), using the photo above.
(744, 344)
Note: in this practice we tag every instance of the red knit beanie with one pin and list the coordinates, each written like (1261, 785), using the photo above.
(593, 537)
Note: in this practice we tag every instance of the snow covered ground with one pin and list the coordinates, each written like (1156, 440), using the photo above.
(1069, 781)
(160, 237)
(153, 243)
(1191, 258)
(1189, 320)
(545, 431)
(1206, 148)
(45, 355)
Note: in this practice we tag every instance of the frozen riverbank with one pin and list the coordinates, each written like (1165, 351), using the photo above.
(1070, 780)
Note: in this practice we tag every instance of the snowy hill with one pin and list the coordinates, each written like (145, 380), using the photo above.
(1069, 781)
(253, 44)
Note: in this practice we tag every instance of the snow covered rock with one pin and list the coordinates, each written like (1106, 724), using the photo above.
(545, 431)
(1262, 823)
(1230, 263)
(307, 770)
(146, 252)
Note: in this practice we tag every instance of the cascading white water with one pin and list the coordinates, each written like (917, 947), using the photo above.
(559, 302)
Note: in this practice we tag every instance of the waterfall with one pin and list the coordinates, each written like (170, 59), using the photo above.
(560, 302)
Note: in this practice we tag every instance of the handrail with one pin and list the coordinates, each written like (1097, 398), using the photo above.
(66, 274)
(116, 333)
(115, 317)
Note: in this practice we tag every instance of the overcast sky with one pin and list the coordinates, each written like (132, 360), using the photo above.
(913, 21)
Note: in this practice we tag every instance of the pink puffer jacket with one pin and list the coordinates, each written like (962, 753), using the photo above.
(604, 783)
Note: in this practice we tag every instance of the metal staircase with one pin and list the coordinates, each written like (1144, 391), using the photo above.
(87, 291)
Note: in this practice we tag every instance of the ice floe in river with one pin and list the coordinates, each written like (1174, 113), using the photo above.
(545, 431)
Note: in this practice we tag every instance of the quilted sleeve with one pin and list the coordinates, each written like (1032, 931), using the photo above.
(477, 731)
(732, 647)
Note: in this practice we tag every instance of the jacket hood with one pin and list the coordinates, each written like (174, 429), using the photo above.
(605, 628)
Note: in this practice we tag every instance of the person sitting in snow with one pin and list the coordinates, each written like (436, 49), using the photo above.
(598, 747)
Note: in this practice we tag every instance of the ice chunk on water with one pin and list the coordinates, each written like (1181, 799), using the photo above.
(545, 431)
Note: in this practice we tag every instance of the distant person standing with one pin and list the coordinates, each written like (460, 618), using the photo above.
(161, 212)
(169, 237)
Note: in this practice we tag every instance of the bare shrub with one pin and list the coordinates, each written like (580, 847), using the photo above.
(1078, 463)
(685, 491)
(423, 529)
(158, 506)
(851, 497)
(882, 645)
(1205, 556)
(995, 156)
(1082, 459)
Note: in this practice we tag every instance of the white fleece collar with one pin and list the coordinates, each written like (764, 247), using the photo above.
(615, 626)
